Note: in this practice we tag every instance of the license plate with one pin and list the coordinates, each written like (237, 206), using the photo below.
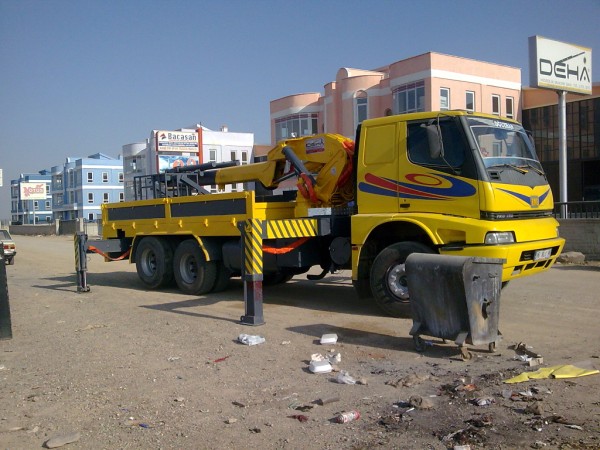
(542, 254)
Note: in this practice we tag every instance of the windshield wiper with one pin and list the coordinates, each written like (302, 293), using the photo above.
(535, 169)
(510, 166)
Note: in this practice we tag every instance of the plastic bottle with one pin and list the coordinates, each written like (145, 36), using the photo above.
(348, 416)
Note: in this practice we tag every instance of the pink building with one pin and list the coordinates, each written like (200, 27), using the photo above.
(428, 82)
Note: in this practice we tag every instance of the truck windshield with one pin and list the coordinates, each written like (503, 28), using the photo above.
(504, 144)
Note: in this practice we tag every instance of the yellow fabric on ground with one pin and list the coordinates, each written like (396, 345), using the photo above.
(564, 371)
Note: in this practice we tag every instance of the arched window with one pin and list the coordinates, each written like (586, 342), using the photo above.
(361, 107)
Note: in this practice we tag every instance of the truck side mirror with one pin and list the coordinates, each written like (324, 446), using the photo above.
(434, 138)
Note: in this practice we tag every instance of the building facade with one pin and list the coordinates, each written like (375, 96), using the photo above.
(30, 198)
(540, 116)
(81, 185)
(427, 82)
(184, 147)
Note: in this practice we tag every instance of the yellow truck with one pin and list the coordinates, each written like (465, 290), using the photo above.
(452, 182)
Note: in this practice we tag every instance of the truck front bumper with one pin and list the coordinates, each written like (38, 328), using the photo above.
(522, 259)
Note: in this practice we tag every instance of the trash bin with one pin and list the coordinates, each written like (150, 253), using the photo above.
(455, 297)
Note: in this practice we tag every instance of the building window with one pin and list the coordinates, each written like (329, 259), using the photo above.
(212, 155)
(121, 196)
(90, 216)
(244, 157)
(361, 107)
(470, 101)
(233, 155)
(444, 99)
(121, 177)
(90, 197)
(509, 108)
(90, 177)
(496, 105)
(409, 97)
(36, 206)
(105, 197)
(47, 205)
(296, 125)
(105, 177)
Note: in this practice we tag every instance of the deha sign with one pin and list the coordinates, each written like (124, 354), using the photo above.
(564, 69)
(560, 66)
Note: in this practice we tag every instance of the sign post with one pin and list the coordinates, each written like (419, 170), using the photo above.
(563, 68)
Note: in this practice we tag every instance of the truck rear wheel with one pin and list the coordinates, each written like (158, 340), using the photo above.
(154, 262)
(388, 277)
(193, 274)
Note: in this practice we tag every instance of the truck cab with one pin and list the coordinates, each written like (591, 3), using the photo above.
(452, 183)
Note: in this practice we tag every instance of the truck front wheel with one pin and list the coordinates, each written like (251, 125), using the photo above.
(388, 277)
(154, 262)
(193, 273)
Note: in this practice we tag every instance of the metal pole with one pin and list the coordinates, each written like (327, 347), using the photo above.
(562, 152)
(252, 271)
(80, 241)
(5, 323)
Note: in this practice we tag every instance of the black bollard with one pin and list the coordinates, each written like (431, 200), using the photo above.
(5, 323)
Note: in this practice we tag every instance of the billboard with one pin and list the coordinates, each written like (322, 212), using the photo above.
(177, 141)
(33, 191)
(560, 66)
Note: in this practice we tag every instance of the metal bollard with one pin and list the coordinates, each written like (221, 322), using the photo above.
(80, 241)
(252, 271)
(5, 323)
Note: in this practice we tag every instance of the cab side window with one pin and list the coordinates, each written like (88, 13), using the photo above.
(454, 147)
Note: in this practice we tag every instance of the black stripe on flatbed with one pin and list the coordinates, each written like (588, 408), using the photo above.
(209, 208)
(137, 212)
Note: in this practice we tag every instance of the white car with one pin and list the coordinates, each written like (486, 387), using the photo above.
(10, 249)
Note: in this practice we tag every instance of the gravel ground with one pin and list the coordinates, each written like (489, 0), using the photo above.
(121, 367)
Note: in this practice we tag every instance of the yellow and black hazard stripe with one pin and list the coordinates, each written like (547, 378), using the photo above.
(291, 228)
(253, 257)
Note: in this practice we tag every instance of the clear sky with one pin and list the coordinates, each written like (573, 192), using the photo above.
(79, 77)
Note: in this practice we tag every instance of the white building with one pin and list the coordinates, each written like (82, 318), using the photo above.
(186, 146)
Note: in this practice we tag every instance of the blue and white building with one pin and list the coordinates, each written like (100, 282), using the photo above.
(30, 198)
(81, 185)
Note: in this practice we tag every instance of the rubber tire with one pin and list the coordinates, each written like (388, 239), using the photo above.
(11, 261)
(223, 276)
(193, 274)
(154, 262)
(389, 259)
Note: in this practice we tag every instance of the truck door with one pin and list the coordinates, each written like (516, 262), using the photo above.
(378, 168)
(444, 183)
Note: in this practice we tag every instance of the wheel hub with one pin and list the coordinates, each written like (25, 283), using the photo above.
(396, 281)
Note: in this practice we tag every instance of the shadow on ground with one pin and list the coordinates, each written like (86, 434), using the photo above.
(434, 348)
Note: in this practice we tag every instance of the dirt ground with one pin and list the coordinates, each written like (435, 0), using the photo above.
(124, 368)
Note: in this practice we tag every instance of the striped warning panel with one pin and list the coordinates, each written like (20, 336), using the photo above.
(76, 242)
(253, 247)
(291, 228)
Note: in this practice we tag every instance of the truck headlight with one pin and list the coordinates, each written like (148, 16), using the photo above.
(499, 237)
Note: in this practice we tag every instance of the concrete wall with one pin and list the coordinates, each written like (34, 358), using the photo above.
(61, 228)
(582, 235)
(33, 230)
